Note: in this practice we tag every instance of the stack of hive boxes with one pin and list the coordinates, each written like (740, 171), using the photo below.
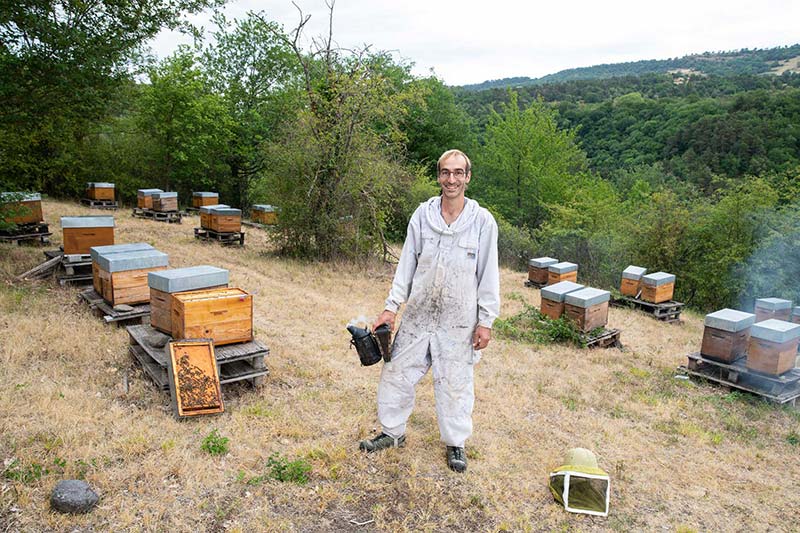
(205, 214)
(776, 308)
(80, 234)
(264, 214)
(726, 335)
(196, 303)
(223, 219)
(97, 251)
(144, 198)
(553, 298)
(587, 308)
(538, 269)
(199, 199)
(22, 208)
(563, 271)
(165, 202)
(100, 191)
(632, 281)
(658, 287)
(122, 275)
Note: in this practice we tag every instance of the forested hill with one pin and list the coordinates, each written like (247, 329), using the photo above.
(744, 61)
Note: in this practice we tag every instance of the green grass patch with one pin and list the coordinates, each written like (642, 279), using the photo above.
(531, 326)
(282, 469)
(214, 444)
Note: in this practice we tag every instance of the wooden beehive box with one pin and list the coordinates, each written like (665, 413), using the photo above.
(97, 251)
(776, 308)
(658, 287)
(587, 308)
(165, 202)
(224, 315)
(225, 219)
(563, 271)
(82, 233)
(165, 283)
(144, 198)
(727, 335)
(773, 346)
(21, 208)
(537, 269)
(205, 215)
(264, 214)
(194, 378)
(100, 191)
(123, 276)
(796, 315)
(199, 199)
(553, 298)
(632, 281)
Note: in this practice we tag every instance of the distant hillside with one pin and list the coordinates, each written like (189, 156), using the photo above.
(744, 61)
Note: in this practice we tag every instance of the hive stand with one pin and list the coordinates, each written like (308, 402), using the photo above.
(669, 312)
(77, 267)
(139, 313)
(533, 284)
(26, 233)
(608, 338)
(100, 204)
(230, 238)
(782, 390)
(159, 216)
(236, 362)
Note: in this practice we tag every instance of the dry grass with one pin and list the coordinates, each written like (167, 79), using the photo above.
(682, 456)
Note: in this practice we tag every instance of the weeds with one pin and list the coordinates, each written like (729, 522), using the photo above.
(31, 473)
(793, 438)
(214, 444)
(530, 325)
(281, 469)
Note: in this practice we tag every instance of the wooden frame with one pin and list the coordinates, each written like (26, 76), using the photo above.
(194, 386)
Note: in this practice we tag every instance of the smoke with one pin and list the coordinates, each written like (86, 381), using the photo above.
(360, 321)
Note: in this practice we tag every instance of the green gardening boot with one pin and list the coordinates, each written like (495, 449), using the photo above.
(457, 459)
(381, 442)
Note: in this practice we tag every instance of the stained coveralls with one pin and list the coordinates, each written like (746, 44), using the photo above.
(448, 277)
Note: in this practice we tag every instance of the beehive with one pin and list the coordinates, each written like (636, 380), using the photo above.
(97, 251)
(81, 233)
(144, 198)
(773, 346)
(537, 269)
(726, 335)
(165, 201)
(587, 308)
(563, 271)
(123, 276)
(796, 315)
(776, 308)
(553, 298)
(264, 214)
(632, 280)
(658, 287)
(199, 199)
(225, 219)
(224, 315)
(21, 207)
(165, 283)
(100, 191)
(205, 215)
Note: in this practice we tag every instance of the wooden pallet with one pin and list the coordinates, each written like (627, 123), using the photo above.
(26, 233)
(140, 312)
(100, 204)
(535, 285)
(159, 216)
(608, 338)
(229, 238)
(77, 268)
(782, 389)
(669, 312)
(236, 362)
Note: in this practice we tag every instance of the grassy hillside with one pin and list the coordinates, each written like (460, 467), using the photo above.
(733, 63)
(682, 456)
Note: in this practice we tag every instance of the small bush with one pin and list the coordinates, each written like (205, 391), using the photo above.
(281, 469)
(530, 325)
(793, 438)
(214, 444)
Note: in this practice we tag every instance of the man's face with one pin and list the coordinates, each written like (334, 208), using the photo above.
(453, 176)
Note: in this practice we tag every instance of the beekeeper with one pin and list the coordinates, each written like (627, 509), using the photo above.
(448, 278)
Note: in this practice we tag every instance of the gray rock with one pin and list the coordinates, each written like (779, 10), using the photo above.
(157, 340)
(123, 308)
(73, 496)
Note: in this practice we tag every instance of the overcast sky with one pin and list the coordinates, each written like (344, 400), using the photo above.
(469, 41)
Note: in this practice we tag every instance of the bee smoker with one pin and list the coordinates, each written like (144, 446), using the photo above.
(371, 347)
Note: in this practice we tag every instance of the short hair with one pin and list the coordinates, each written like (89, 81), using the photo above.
(450, 153)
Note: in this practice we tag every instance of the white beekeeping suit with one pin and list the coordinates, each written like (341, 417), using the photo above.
(448, 277)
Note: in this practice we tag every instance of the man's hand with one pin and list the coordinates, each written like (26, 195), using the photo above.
(387, 317)
(481, 337)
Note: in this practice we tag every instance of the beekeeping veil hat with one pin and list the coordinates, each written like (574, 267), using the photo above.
(580, 485)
